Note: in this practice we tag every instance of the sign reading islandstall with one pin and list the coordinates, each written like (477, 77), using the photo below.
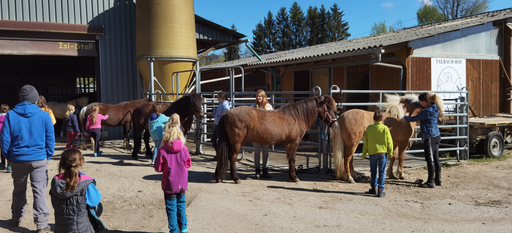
(448, 74)
(48, 48)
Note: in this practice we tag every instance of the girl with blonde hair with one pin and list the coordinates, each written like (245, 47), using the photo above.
(94, 127)
(263, 104)
(173, 159)
(70, 126)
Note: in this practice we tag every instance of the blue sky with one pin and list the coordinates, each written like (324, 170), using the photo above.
(360, 14)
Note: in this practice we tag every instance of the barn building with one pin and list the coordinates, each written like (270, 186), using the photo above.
(68, 48)
(476, 50)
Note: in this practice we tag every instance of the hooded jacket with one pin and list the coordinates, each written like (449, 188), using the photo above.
(156, 127)
(27, 134)
(428, 120)
(173, 160)
(71, 214)
(70, 124)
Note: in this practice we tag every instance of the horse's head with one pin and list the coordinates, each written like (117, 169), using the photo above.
(327, 110)
(196, 101)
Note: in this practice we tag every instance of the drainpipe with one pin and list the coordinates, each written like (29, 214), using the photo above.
(259, 58)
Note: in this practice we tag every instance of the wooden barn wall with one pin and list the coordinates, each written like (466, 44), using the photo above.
(287, 83)
(482, 80)
(338, 78)
(384, 78)
(419, 74)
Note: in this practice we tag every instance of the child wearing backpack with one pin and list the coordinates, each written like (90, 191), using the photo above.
(75, 198)
(173, 159)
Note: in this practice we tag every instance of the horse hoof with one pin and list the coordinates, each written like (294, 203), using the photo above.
(238, 181)
(351, 180)
(296, 180)
(218, 180)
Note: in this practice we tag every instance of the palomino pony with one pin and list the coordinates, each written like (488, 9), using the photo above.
(287, 125)
(352, 126)
(60, 109)
(118, 115)
(186, 107)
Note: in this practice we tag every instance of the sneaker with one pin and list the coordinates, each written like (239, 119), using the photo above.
(15, 223)
(184, 229)
(44, 230)
(372, 191)
(439, 183)
(100, 152)
(9, 169)
(428, 185)
(95, 154)
(381, 194)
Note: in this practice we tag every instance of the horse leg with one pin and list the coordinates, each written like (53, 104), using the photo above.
(389, 173)
(136, 142)
(149, 153)
(126, 134)
(400, 165)
(349, 163)
(218, 172)
(291, 148)
(232, 163)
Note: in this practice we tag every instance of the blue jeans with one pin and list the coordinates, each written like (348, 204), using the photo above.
(176, 215)
(378, 163)
(157, 146)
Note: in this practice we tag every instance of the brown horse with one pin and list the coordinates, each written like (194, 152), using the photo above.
(118, 115)
(287, 125)
(352, 126)
(186, 107)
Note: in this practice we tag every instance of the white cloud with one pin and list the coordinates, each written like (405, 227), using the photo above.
(387, 5)
(425, 2)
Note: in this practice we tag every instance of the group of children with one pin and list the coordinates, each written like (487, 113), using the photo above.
(76, 200)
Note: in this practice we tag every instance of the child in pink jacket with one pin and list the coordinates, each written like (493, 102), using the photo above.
(173, 159)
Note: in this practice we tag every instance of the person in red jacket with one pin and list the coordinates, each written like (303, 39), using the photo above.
(173, 159)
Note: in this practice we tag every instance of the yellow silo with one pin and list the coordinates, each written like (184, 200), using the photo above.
(166, 33)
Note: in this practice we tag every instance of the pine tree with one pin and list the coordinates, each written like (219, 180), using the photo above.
(313, 32)
(269, 25)
(339, 28)
(323, 33)
(232, 52)
(297, 22)
(283, 30)
(258, 39)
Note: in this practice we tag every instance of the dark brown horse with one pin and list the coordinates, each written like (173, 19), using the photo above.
(118, 115)
(286, 125)
(186, 107)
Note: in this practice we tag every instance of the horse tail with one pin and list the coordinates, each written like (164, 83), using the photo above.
(223, 146)
(393, 106)
(82, 118)
(338, 148)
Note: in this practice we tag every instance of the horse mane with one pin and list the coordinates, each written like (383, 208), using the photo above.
(439, 102)
(303, 110)
(393, 105)
(184, 102)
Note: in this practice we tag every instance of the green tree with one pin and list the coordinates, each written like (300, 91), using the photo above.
(283, 30)
(428, 14)
(297, 22)
(323, 18)
(258, 39)
(232, 52)
(379, 28)
(337, 27)
(313, 30)
(454, 9)
(269, 29)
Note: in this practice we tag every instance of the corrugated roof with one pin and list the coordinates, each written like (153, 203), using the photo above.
(369, 42)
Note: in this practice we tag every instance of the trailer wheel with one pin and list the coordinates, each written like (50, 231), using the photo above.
(494, 145)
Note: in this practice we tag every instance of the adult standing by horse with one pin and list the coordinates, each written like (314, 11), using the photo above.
(224, 107)
(263, 104)
(28, 143)
(41, 102)
(94, 126)
(430, 134)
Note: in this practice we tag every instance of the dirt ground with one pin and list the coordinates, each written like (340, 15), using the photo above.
(475, 197)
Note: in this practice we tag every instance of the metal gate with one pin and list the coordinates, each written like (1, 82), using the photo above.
(455, 133)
